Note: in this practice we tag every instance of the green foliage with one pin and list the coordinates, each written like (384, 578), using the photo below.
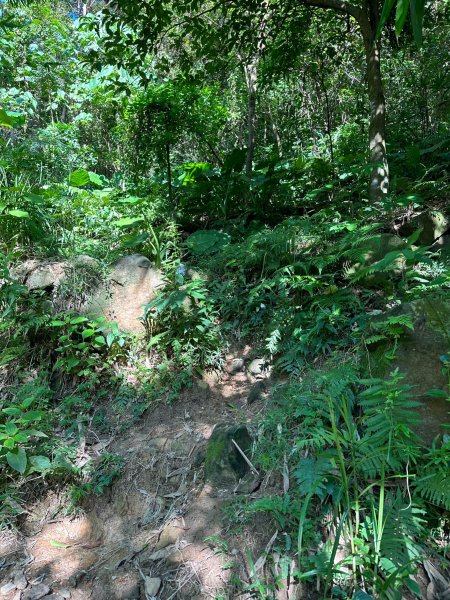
(98, 476)
(207, 242)
(23, 430)
(126, 132)
(85, 345)
(182, 322)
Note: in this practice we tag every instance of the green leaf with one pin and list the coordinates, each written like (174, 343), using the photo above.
(17, 460)
(11, 428)
(12, 411)
(36, 433)
(19, 214)
(72, 363)
(40, 463)
(360, 595)
(100, 340)
(57, 323)
(128, 221)
(130, 200)
(417, 11)
(33, 415)
(57, 544)
(400, 15)
(414, 237)
(27, 402)
(94, 178)
(386, 11)
(6, 120)
(79, 178)
(209, 241)
(77, 320)
(413, 586)
(235, 161)
(436, 393)
(110, 339)
(87, 333)
(35, 198)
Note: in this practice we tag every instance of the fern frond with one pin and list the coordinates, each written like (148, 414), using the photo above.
(403, 526)
(435, 488)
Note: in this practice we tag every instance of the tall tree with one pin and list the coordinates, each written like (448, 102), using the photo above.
(136, 29)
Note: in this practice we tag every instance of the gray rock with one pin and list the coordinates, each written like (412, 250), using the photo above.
(259, 367)
(40, 275)
(46, 276)
(20, 581)
(235, 366)
(132, 284)
(433, 223)
(371, 251)
(256, 392)
(418, 357)
(224, 464)
(7, 588)
(152, 585)
(121, 298)
(36, 592)
(195, 275)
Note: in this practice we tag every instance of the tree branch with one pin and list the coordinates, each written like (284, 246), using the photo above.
(338, 5)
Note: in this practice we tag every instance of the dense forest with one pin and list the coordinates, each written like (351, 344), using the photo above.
(224, 299)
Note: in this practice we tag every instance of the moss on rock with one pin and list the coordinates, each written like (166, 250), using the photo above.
(224, 464)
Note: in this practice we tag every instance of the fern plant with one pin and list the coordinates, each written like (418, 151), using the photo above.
(350, 447)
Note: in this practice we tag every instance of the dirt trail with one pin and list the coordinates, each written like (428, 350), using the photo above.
(146, 535)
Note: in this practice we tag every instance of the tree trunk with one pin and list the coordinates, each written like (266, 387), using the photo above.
(367, 17)
(169, 174)
(250, 71)
(379, 176)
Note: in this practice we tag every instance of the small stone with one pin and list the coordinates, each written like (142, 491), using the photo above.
(36, 592)
(54, 597)
(152, 585)
(211, 378)
(65, 593)
(153, 511)
(169, 535)
(20, 581)
(235, 366)
(8, 587)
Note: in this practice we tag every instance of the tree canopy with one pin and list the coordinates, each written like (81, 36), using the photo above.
(224, 297)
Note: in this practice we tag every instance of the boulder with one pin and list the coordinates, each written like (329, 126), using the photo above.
(49, 275)
(259, 367)
(434, 225)
(371, 251)
(418, 357)
(132, 284)
(224, 464)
